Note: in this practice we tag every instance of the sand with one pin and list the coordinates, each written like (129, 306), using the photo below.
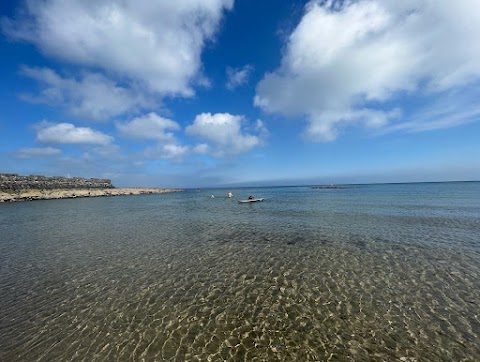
(29, 195)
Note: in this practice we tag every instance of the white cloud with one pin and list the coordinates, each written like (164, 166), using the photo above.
(201, 149)
(37, 152)
(345, 59)
(157, 43)
(237, 77)
(153, 127)
(91, 96)
(224, 130)
(261, 129)
(445, 112)
(150, 126)
(170, 151)
(64, 133)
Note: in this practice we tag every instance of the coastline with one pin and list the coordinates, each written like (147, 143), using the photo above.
(54, 194)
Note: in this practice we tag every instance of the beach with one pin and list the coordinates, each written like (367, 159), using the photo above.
(32, 194)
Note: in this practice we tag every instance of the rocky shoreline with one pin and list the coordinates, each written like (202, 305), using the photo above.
(34, 194)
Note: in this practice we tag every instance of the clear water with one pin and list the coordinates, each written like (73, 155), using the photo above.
(372, 273)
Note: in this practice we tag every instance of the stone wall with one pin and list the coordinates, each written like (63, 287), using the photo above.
(14, 182)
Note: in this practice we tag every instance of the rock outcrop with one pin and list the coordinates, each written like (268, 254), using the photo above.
(14, 187)
(14, 182)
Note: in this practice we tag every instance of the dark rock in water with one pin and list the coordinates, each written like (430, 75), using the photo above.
(324, 241)
(361, 244)
(378, 239)
(358, 240)
(298, 239)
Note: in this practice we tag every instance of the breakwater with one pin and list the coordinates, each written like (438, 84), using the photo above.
(14, 182)
(31, 194)
(14, 187)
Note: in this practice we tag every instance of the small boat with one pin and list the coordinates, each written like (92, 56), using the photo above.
(250, 200)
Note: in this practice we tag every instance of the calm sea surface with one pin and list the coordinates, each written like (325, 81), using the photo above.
(370, 273)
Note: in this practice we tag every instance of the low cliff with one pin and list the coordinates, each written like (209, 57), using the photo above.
(14, 182)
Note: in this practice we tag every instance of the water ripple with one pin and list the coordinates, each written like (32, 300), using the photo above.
(147, 287)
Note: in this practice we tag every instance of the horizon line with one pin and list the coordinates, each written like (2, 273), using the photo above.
(331, 184)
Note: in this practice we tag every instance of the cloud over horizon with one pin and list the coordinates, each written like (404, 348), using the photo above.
(225, 132)
(37, 152)
(169, 151)
(148, 127)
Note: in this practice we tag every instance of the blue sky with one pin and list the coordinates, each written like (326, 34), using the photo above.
(196, 93)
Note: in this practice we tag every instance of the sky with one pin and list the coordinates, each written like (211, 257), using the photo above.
(206, 93)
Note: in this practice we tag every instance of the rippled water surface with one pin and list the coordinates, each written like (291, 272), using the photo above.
(371, 273)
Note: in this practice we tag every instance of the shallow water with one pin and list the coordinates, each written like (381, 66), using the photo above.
(381, 272)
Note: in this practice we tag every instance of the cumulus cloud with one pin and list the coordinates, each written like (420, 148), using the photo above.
(91, 96)
(156, 43)
(237, 77)
(64, 133)
(148, 127)
(225, 132)
(37, 152)
(170, 151)
(154, 127)
(346, 59)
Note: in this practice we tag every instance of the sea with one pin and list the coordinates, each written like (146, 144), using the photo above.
(386, 272)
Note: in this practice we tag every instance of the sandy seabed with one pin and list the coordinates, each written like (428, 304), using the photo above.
(29, 195)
